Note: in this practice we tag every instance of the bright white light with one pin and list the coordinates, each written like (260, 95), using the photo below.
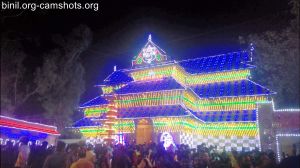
(167, 138)
(148, 54)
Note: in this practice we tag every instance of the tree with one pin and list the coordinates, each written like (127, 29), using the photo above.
(277, 59)
(14, 90)
(53, 85)
(61, 76)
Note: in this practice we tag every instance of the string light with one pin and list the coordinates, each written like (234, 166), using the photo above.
(187, 79)
(9, 122)
(95, 111)
(283, 110)
(125, 126)
(150, 53)
(277, 143)
(190, 125)
(239, 99)
(149, 99)
(111, 89)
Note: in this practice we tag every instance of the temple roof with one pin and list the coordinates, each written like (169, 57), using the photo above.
(152, 111)
(217, 63)
(226, 116)
(117, 77)
(150, 86)
(136, 112)
(97, 101)
(233, 88)
(229, 61)
(85, 122)
(150, 54)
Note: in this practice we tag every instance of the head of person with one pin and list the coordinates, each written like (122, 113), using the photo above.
(24, 140)
(204, 157)
(33, 142)
(60, 146)
(9, 144)
(89, 147)
(74, 147)
(82, 153)
(44, 144)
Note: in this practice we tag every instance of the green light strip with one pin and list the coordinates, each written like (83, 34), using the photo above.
(206, 126)
(149, 98)
(216, 77)
(92, 130)
(88, 112)
(194, 79)
(198, 104)
(124, 125)
(156, 72)
(227, 104)
(188, 100)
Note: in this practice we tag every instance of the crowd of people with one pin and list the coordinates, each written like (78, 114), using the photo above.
(81, 155)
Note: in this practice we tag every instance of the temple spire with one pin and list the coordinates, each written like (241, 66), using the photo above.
(149, 37)
(149, 54)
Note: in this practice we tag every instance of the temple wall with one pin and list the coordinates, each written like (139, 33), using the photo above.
(228, 142)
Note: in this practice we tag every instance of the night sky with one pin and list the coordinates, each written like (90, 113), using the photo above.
(184, 29)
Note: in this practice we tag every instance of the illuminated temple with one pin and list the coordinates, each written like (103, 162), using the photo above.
(207, 100)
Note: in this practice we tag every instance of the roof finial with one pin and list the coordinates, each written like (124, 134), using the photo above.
(149, 37)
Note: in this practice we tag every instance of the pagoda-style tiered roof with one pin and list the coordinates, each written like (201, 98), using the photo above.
(226, 116)
(150, 86)
(201, 84)
(217, 63)
(231, 88)
(97, 101)
(86, 122)
(117, 77)
(152, 111)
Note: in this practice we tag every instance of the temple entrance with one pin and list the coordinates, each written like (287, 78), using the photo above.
(144, 131)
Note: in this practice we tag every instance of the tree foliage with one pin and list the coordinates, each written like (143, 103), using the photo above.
(56, 84)
(61, 75)
(277, 59)
(14, 90)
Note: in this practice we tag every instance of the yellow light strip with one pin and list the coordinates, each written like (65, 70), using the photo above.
(186, 79)
(149, 99)
(189, 125)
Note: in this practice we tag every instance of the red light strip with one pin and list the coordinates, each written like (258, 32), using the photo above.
(28, 130)
(26, 126)
(26, 122)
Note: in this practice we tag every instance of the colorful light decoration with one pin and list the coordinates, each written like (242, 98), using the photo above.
(187, 79)
(218, 77)
(111, 116)
(232, 103)
(111, 89)
(221, 104)
(121, 126)
(151, 66)
(95, 111)
(9, 122)
(152, 74)
(167, 138)
(150, 53)
(189, 125)
(149, 99)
